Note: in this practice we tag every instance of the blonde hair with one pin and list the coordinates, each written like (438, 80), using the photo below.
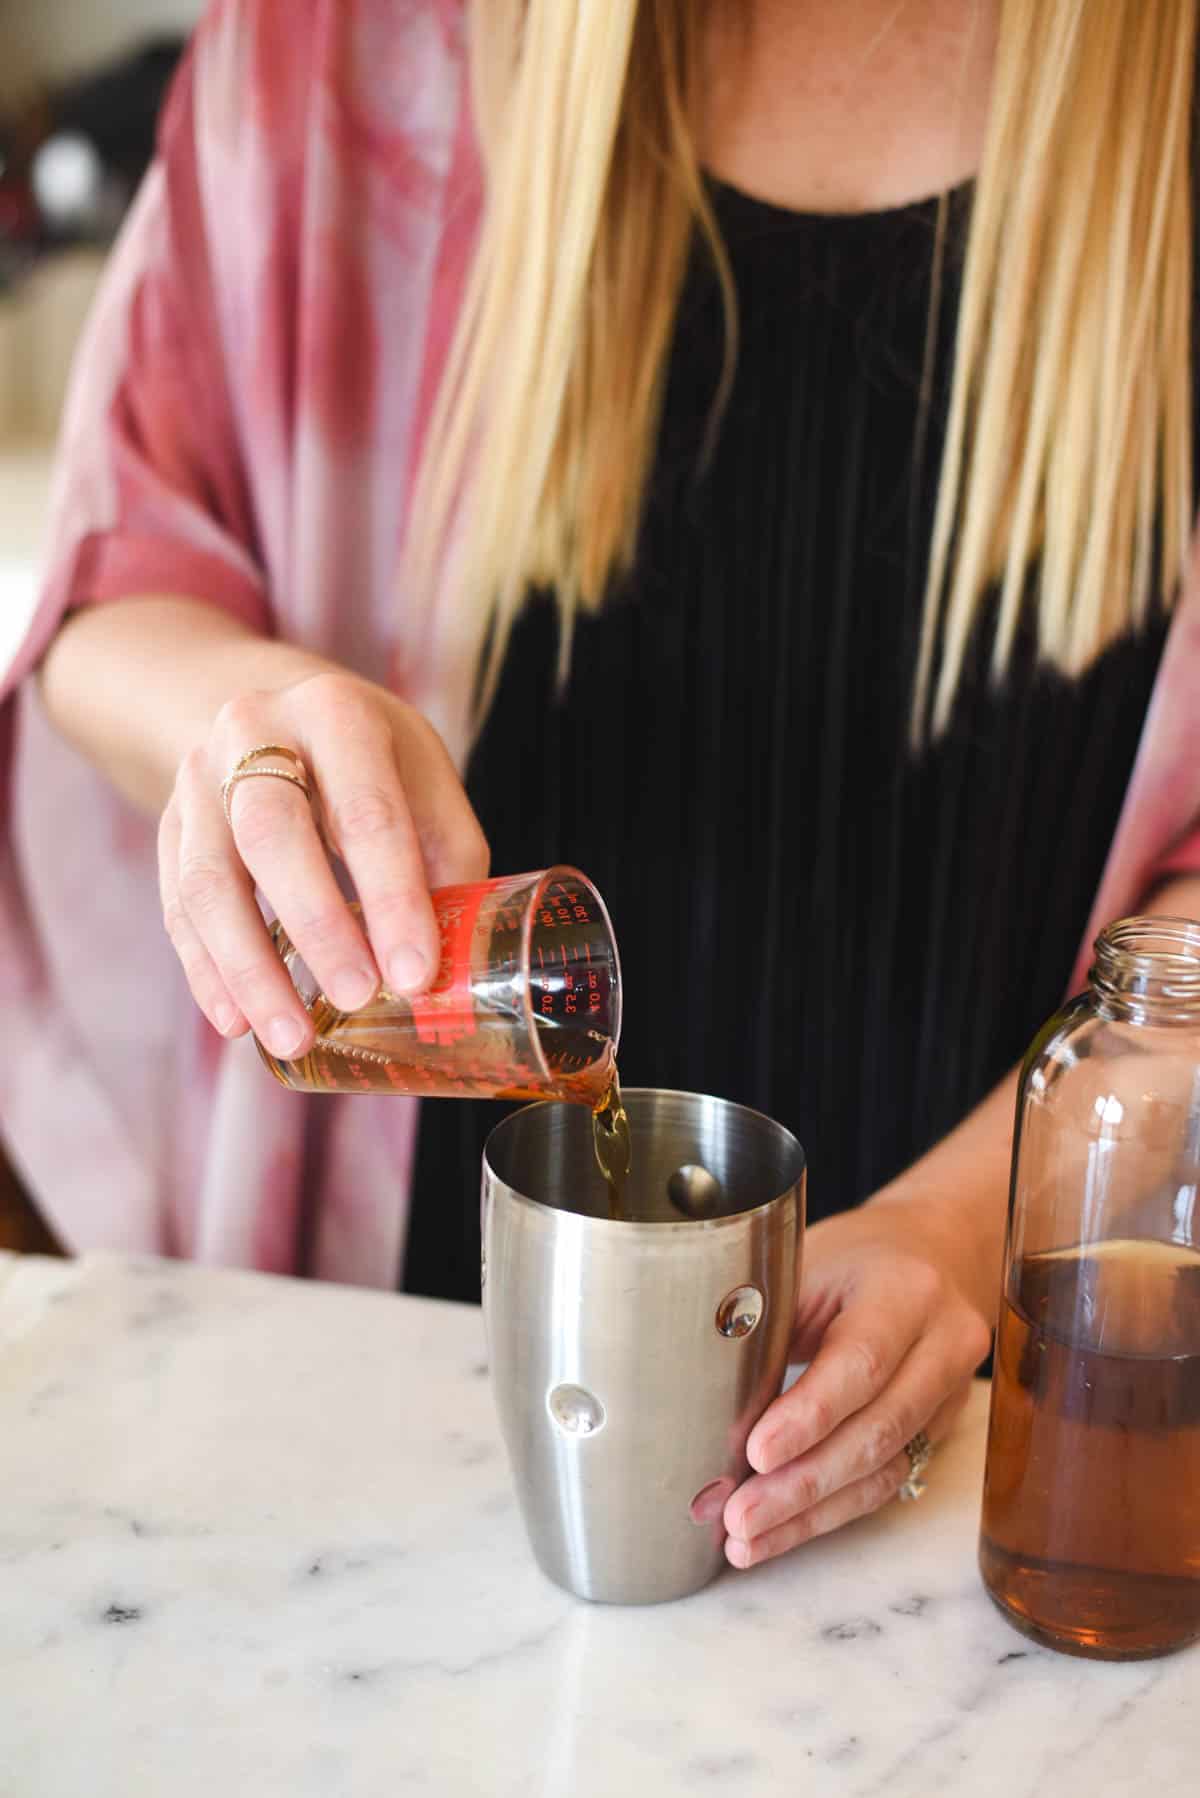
(1068, 448)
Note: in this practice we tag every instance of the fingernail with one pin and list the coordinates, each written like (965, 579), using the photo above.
(407, 969)
(710, 1501)
(737, 1553)
(284, 1036)
(225, 1015)
(351, 987)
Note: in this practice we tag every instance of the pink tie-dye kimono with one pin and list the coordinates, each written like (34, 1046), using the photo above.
(245, 418)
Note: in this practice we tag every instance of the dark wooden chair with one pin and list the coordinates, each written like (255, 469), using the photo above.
(21, 1228)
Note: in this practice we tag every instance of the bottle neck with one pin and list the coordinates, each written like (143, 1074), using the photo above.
(1148, 970)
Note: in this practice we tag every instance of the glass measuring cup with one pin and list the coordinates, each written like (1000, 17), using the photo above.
(526, 1003)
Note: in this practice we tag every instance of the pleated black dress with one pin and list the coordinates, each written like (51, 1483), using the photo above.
(812, 919)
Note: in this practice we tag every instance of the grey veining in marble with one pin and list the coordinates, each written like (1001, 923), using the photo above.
(257, 1538)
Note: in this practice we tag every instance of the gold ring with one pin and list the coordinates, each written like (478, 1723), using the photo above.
(245, 769)
(920, 1454)
(264, 749)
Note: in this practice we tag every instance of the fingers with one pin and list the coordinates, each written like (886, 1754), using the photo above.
(208, 989)
(277, 841)
(863, 1446)
(855, 1464)
(366, 753)
(216, 894)
(370, 825)
(397, 815)
(453, 847)
(861, 1350)
(848, 1502)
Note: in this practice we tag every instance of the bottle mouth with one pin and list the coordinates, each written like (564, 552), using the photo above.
(1151, 964)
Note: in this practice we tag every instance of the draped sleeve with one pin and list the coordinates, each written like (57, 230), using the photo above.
(244, 414)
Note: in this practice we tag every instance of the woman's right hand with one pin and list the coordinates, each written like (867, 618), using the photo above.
(391, 806)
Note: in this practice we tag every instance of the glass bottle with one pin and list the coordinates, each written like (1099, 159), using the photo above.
(1091, 1514)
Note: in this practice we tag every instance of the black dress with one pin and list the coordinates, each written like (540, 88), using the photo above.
(812, 920)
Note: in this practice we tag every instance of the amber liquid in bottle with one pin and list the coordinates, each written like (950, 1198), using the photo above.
(1091, 1514)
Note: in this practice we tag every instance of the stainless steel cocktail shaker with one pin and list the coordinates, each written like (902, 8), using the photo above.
(630, 1358)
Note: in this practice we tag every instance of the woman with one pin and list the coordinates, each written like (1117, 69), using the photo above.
(887, 499)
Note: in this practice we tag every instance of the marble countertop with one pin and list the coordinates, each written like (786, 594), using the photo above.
(257, 1538)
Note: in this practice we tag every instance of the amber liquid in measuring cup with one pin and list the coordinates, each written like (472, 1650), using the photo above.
(526, 1005)
(1092, 1502)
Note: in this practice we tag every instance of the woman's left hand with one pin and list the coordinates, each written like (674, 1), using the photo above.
(893, 1338)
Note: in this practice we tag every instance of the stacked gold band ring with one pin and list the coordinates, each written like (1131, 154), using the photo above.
(246, 768)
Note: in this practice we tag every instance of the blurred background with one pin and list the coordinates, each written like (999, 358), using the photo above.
(81, 84)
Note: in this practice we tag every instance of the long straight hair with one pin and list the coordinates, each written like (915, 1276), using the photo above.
(1068, 455)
